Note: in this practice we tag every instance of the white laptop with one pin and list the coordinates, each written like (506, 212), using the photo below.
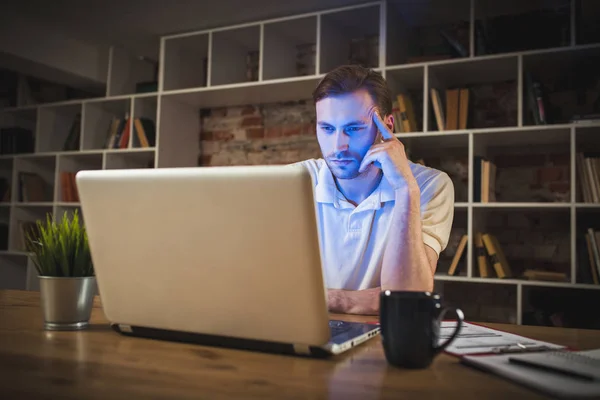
(224, 256)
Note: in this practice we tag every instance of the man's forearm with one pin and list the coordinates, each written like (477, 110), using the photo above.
(365, 302)
(405, 262)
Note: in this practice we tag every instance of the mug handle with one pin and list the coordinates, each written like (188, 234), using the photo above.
(460, 319)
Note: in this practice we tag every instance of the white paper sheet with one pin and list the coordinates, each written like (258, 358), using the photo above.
(476, 339)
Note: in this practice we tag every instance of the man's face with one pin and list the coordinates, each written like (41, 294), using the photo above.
(346, 131)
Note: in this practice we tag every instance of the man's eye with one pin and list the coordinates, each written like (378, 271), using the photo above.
(327, 128)
(354, 128)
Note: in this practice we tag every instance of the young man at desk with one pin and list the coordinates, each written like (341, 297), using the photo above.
(383, 219)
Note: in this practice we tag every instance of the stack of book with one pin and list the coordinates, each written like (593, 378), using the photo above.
(491, 259)
(489, 253)
(588, 254)
(404, 114)
(120, 129)
(16, 140)
(456, 112)
(588, 169)
(33, 188)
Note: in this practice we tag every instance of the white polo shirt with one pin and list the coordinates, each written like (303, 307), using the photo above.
(353, 238)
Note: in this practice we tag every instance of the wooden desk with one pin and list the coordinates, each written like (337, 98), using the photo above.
(101, 364)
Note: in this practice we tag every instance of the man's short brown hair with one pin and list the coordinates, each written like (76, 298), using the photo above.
(350, 78)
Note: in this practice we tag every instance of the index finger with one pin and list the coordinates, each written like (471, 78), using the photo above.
(385, 131)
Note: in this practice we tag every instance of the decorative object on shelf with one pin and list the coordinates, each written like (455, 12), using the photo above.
(61, 254)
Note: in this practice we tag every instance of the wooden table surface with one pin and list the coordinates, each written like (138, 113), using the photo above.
(98, 363)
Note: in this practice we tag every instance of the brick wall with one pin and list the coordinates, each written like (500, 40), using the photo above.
(278, 133)
(480, 302)
(537, 239)
(535, 176)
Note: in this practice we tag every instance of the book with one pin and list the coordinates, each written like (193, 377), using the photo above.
(463, 109)
(452, 109)
(482, 260)
(407, 113)
(438, 109)
(497, 258)
(458, 255)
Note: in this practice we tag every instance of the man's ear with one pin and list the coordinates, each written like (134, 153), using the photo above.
(389, 122)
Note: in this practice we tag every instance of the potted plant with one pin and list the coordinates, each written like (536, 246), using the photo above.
(61, 255)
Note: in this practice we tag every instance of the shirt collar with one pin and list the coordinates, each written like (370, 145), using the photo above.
(326, 191)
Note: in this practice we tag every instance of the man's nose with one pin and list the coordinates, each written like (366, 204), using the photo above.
(341, 141)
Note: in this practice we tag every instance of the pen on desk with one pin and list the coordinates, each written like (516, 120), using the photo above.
(521, 349)
(476, 346)
(472, 335)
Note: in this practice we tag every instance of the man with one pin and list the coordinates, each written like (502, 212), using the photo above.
(383, 219)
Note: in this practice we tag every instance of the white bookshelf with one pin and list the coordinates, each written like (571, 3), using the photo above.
(207, 68)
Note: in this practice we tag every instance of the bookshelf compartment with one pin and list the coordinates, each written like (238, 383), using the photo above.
(419, 32)
(185, 62)
(68, 166)
(407, 85)
(144, 111)
(6, 180)
(448, 153)
(180, 123)
(269, 92)
(23, 219)
(474, 94)
(561, 87)
(17, 131)
(59, 128)
(35, 179)
(528, 242)
(481, 302)
(235, 55)
(587, 241)
(103, 120)
(560, 307)
(587, 163)
(13, 274)
(517, 25)
(131, 74)
(289, 48)
(126, 160)
(522, 166)
(4, 227)
(458, 246)
(586, 25)
(350, 37)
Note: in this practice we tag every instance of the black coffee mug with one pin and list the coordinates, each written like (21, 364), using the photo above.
(410, 327)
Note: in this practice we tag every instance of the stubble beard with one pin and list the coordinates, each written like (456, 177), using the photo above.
(344, 173)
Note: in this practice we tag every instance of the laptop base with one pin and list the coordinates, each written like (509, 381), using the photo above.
(244, 344)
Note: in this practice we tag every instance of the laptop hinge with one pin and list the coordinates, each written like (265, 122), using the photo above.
(301, 349)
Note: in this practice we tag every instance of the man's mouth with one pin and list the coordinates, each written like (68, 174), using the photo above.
(341, 160)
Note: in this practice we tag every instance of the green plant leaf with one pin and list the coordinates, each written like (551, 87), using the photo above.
(60, 248)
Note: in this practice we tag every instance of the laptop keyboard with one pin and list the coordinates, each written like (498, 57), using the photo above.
(338, 327)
